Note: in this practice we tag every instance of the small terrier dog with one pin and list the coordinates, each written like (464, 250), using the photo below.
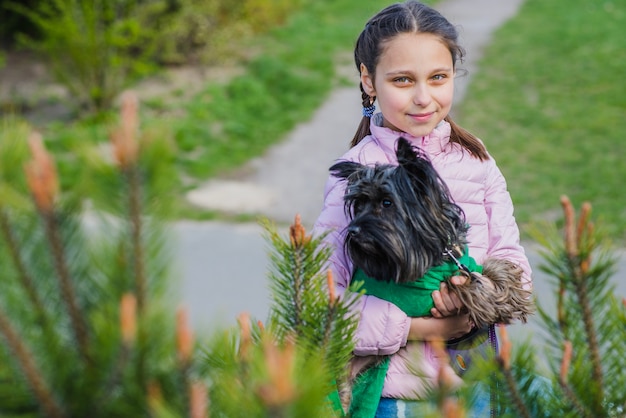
(403, 222)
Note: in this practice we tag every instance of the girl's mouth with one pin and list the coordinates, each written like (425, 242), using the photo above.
(421, 117)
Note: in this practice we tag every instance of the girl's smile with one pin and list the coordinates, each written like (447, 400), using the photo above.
(422, 117)
(413, 83)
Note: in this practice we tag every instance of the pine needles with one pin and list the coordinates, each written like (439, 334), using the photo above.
(83, 330)
(585, 338)
(291, 366)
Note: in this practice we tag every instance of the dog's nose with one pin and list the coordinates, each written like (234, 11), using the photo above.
(354, 230)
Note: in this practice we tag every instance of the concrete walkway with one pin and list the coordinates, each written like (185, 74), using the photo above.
(290, 177)
(225, 265)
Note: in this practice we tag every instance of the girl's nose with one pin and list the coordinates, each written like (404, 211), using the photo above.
(421, 95)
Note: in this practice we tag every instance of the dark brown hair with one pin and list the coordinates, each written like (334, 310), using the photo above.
(409, 17)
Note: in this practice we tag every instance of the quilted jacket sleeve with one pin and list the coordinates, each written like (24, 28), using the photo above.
(503, 230)
(383, 327)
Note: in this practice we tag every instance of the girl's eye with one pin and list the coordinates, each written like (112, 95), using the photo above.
(386, 203)
(402, 80)
(439, 77)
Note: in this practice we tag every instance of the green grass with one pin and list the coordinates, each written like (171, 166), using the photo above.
(226, 125)
(549, 100)
(220, 126)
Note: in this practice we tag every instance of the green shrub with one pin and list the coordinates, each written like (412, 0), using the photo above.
(82, 313)
(85, 327)
(204, 31)
(93, 47)
(578, 370)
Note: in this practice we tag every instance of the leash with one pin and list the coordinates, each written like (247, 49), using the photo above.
(460, 265)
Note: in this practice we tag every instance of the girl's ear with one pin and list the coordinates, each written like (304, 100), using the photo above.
(367, 81)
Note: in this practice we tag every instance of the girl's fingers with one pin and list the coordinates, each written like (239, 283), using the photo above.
(443, 303)
(458, 280)
(446, 302)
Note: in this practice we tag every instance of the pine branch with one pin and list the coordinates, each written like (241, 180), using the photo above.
(66, 283)
(31, 372)
(126, 152)
(297, 288)
(569, 393)
(128, 328)
(43, 183)
(579, 262)
(295, 282)
(331, 313)
(184, 346)
(132, 177)
(504, 363)
(25, 279)
(245, 349)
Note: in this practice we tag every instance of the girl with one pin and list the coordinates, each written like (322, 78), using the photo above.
(407, 56)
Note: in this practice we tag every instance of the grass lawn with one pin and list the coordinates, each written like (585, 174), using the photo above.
(219, 126)
(550, 102)
(289, 73)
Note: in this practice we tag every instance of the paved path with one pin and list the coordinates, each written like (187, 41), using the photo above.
(224, 266)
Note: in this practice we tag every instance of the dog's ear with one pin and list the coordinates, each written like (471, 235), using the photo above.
(345, 169)
(406, 153)
(414, 161)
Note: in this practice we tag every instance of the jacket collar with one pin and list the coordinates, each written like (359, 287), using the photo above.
(433, 144)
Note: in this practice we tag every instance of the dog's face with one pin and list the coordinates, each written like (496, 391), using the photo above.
(402, 217)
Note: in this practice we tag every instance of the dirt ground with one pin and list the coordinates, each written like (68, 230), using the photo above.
(28, 87)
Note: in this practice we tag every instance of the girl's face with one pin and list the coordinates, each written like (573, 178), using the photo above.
(413, 84)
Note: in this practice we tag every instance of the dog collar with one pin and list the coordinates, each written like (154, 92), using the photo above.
(460, 265)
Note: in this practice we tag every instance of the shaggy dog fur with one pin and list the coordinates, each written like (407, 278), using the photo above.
(403, 221)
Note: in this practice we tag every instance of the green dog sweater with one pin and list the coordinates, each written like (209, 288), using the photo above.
(415, 299)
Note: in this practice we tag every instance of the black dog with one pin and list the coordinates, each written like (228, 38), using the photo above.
(404, 222)
(407, 235)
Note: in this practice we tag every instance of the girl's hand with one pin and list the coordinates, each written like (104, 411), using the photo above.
(429, 329)
(446, 302)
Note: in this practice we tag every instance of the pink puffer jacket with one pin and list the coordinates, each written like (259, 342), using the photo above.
(479, 188)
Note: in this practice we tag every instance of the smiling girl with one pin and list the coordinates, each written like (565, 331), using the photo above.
(407, 57)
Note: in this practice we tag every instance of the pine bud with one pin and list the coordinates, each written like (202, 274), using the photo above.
(331, 286)
(198, 401)
(451, 408)
(582, 221)
(41, 174)
(246, 335)
(128, 318)
(297, 234)
(565, 363)
(184, 336)
(570, 238)
(445, 376)
(123, 139)
(280, 363)
(505, 351)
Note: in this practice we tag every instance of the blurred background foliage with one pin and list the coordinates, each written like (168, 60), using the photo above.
(96, 48)
(547, 99)
(88, 324)
(256, 69)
